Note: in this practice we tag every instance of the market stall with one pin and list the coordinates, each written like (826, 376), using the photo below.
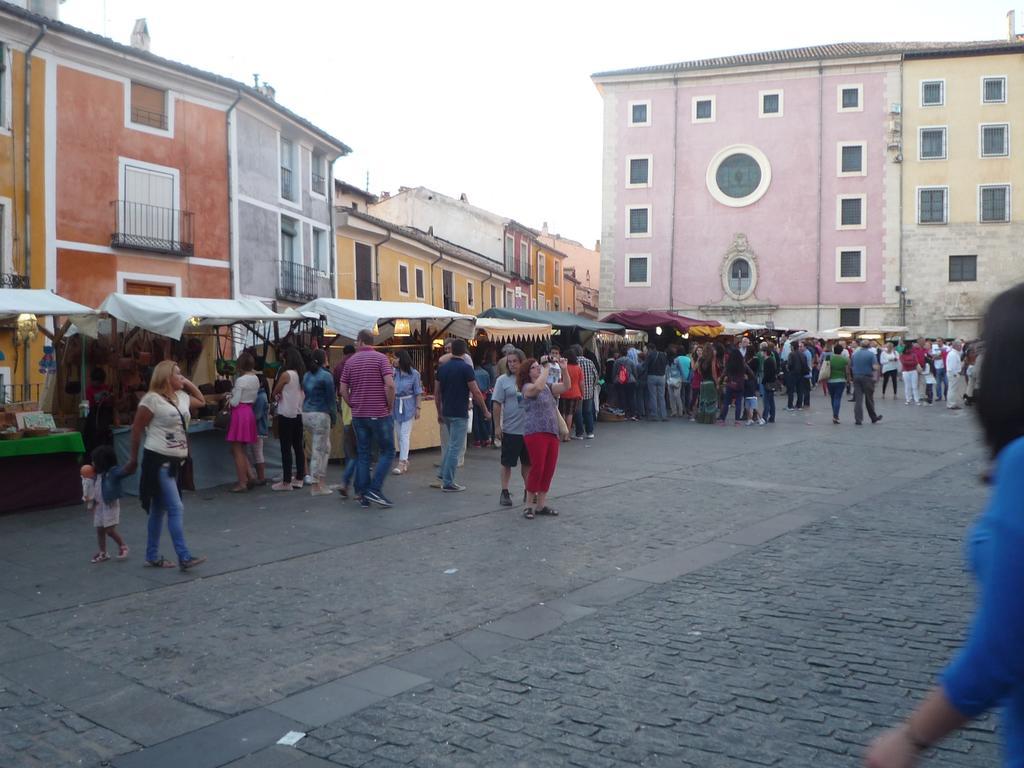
(665, 327)
(567, 327)
(415, 327)
(39, 461)
(174, 322)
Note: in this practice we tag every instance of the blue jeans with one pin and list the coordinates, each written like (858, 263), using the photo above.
(941, 383)
(369, 431)
(768, 394)
(656, 408)
(584, 419)
(450, 455)
(730, 395)
(169, 501)
(481, 427)
(835, 391)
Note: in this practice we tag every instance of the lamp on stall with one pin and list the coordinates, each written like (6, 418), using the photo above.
(195, 321)
(658, 330)
(402, 328)
(26, 328)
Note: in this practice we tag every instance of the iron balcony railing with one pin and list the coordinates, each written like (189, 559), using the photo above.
(145, 227)
(286, 183)
(19, 393)
(367, 290)
(303, 283)
(450, 304)
(9, 280)
(147, 117)
(319, 184)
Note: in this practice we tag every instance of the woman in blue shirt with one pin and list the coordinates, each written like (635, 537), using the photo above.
(408, 390)
(319, 412)
(989, 670)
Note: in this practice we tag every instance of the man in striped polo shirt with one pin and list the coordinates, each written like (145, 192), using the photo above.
(368, 386)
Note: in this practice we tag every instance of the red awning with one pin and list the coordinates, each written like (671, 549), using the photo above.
(640, 320)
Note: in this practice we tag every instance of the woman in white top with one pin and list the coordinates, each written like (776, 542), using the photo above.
(162, 417)
(289, 398)
(889, 359)
(242, 431)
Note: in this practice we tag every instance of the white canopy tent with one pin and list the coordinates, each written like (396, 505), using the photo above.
(169, 315)
(41, 303)
(347, 317)
(864, 332)
(735, 329)
(499, 330)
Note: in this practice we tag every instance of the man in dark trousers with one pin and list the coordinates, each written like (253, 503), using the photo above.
(655, 365)
(454, 384)
(863, 365)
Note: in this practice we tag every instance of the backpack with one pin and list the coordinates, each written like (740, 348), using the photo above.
(623, 375)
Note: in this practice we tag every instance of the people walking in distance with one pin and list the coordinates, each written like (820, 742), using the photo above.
(540, 431)
(454, 384)
(911, 367)
(569, 403)
(368, 386)
(838, 368)
(654, 366)
(864, 373)
(509, 424)
(319, 411)
(769, 380)
(735, 374)
(954, 370)
(481, 426)
(939, 352)
(889, 359)
(408, 391)
(289, 398)
(586, 415)
(624, 373)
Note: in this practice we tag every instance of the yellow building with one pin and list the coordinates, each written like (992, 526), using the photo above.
(23, 237)
(548, 276)
(962, 184)
(378, 260)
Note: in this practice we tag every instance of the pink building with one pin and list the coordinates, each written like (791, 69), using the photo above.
(755, 187)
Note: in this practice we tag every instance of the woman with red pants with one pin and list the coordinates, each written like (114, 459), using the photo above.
(540, 432)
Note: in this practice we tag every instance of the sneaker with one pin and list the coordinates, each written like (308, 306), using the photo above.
(761, 422)
(281, 487)
(363, 503)
(453, 488)
(590, 436)
(297, 484)
(343, 490)
(307, 480)
(192, 563)
(876, 420)
(436, 483)
(377, 498)
(321, 492)
(750, 422)
(505, 499)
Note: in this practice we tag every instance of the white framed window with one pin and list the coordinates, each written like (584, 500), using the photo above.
(542, 263)
(541, 302)
(993, 203)
(963, 269)
(638, 171)
(510, 253)
(933, 93)
(508, 298)
(739, 278)
(420, 287)
(850, 158)
(638, 269)
(638, 221)
(524, 258)
(850, 97)
(932, 205)
(291, 240)
(994, 139)
(319, 248)
(403, 279)
(702, 109)
(148, 108)
(639, 113)
(850, 264)
(850, 212)
(931, 142)
(318, 175)
(993, 89)
(470, 298)
(6, 236)
(6, 68)
(769, 104)
(738, 175)
(557, 274)
(289, 162)
(148, 214)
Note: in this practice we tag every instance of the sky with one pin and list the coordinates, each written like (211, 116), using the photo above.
(494, 99)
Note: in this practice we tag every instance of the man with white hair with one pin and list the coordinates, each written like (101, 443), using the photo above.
(953, 368)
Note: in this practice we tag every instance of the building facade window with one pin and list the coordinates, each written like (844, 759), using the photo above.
(638, 172)
(149, 107)
(291, 252)
(638, 269)
(994, 203)
(557, 274)
(541, 267)
(850, 266)
(524, 259)
(963, 269)
(932, 143)
(995, 140)
(319, 244)
(638, 221)
(931, 205)
(850, 98)
(933, 93)
(289, 189)
(849, 316)
(702, 109)
(639, 113)
(420, 292)
(993, 90)
(542, 303)
(510, 254)
(738, 175)
(851, 158)
(5, 86)
(318, 174)
(403, 279)
(851, 212)
(769, 104)
(470, 298)
(739, 276)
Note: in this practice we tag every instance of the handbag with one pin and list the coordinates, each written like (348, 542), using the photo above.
(563, 428)
(825, 371)
(223, 418)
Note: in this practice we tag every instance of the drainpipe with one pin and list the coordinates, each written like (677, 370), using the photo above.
(231, 197)
(902, 287)
(817, 282)
(672, 220)
(376, 258)
(333, 237)
(430, 274)
(26, 235)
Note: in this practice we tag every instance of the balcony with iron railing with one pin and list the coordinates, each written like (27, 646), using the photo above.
(10, 280)
(286, 183)
(319, 184)
(450, 304)
(299, 282)
(143, 227)
(367, 290)
(149, 118)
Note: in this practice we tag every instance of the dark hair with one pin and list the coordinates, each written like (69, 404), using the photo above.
(523, 377)
(97, 376)
(104, 459)
(246, 362)
(365, 336)
(837, 350)
(458, 347)
(734, 363)
(553, 347)
(572, 358)
(348, 349)
(1001, 398)
(319, 358)
(293, 361)
(404, 361)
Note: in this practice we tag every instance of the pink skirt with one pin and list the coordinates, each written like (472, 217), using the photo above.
(243, 424)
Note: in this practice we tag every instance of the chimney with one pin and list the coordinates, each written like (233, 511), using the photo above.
(384, 194)
(48, 8)
(597, 246)
(463, 198)
(544, 229)
(1011, 25)
(140, 35)
(268, 91)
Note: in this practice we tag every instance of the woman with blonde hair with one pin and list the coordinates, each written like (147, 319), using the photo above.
(161, 428)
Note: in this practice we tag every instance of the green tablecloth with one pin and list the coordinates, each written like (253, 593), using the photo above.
(64, 442)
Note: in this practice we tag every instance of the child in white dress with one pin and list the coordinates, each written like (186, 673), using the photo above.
(106, 512)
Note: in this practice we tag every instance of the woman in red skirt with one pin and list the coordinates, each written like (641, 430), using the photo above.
(540, 432)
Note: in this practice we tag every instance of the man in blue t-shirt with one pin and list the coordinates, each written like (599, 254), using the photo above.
(455, 382)
(863, 364)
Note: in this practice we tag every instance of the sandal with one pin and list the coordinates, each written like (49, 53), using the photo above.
(100, 557)
(163, 562)
(122, 553)
(547, 511)
(240, 489)
(528, 513)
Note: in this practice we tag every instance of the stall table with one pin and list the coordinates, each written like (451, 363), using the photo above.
(41, 471)
(212, 464)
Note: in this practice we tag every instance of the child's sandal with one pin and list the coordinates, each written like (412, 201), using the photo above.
(122, 553)
(100, 557)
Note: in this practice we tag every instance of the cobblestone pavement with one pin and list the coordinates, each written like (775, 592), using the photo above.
(819, 614)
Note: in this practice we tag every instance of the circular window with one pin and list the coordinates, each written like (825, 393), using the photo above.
(738, 175)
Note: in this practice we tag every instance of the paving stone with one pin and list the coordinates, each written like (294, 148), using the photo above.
(154, 717)
(527, 623)
(606, 592)
(384, 680)
(482, 644)
(434, 661)
(324, 703)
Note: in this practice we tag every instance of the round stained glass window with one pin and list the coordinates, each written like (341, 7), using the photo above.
(738, 175)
